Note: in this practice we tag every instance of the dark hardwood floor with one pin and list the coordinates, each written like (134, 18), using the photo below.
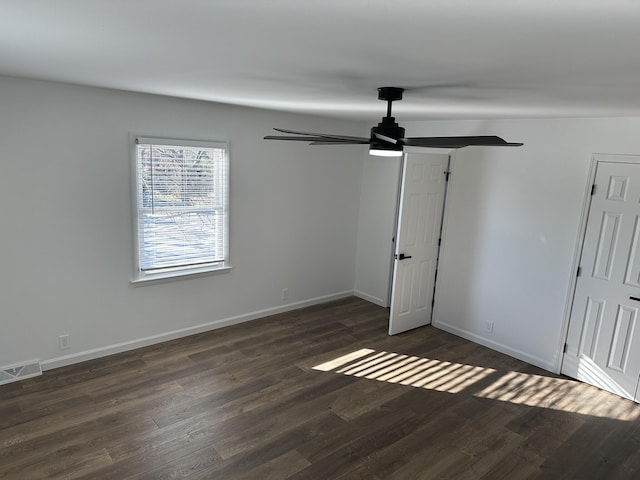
(319, 393)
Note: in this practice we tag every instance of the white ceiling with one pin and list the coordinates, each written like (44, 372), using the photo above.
(461, 58)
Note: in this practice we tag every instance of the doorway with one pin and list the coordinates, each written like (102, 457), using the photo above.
(603, 339)
(417, 241)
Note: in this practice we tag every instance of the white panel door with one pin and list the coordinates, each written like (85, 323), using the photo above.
(603, 343)
(417, 239)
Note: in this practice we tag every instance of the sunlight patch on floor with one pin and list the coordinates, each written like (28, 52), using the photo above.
(559, 394)
(507, 386)
(407, 370)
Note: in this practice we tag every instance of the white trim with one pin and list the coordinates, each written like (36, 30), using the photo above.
(139, 278)
(370, 298)
(181, 274)
(577, 253)
(392, 247)
(570, 366)
(184, 332)
(178, 142)
(443, 238)
(520, 355)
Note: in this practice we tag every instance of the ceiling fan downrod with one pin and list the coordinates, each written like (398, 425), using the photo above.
(386, 135)
(390, 94)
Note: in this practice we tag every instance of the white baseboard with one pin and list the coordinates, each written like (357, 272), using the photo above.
(184, 332)
(370, 298)
(525, 357)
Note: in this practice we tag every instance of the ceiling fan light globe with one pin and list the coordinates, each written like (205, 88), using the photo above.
(385, 152)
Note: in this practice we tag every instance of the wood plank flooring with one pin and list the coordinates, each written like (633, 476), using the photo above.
(318, 393)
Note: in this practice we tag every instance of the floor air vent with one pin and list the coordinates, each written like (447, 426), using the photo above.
(13, 373)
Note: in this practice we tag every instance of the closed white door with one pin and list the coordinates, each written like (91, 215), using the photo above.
(417, 240)
(603, 343)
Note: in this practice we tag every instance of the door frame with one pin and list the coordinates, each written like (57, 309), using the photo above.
(392, 263)
(425, 151)
(586, 207)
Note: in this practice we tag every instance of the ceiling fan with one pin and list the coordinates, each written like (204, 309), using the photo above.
(387, 138)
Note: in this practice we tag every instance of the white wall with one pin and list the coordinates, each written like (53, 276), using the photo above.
(66, 233)
(66, 242)
(512, 222)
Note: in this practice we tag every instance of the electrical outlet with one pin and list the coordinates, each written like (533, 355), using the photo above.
(64, 342)
(285, 293)
(489, 327)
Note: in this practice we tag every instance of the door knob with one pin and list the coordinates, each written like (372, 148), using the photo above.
(402, 256)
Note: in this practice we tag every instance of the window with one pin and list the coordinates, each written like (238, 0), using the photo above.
(181, 207)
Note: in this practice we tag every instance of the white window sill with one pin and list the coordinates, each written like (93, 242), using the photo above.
(176, 275)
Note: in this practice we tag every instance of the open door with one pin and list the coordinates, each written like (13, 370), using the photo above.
(423, 189)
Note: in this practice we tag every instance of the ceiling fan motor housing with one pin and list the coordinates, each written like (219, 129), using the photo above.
(389, 128)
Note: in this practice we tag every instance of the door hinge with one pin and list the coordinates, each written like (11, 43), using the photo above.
(446, 176)
(564, 350)
(593, 189)
(439, 241)
(579, 272)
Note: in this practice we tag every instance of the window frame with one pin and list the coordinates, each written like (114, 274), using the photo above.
(141, 277)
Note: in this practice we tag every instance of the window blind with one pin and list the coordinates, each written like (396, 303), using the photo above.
(181, 204)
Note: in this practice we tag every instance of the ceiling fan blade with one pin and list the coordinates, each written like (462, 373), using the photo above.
(341, 142)
(317, 140)
(300, 139)
(323, 135)
(458, 142)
